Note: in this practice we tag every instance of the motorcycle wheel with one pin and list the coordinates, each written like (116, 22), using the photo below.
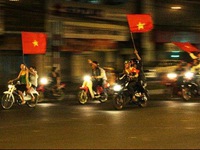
(7, 101)
(143, 102)
(103, 98)
(33, 104)
(118, 102)
(41, 96)
(186, 94)
(61, 94)
(82, 97)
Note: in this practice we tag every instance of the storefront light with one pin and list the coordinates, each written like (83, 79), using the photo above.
(175, 7)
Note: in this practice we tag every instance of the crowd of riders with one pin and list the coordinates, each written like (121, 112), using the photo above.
(28, 80)
(193, 67)
(133, 68)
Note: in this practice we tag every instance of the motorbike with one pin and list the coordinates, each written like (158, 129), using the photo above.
(184, 86)
(190, 86)
(11, 96)
(45, 89)
(84, 94)
(122, 96)
(174, 83)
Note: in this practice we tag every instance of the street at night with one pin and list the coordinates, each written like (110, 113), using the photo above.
(163, 124)
(57, 56)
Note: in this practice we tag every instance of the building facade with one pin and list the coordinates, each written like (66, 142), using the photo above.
(90, 29)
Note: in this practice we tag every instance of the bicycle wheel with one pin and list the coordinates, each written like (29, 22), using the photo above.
(34, 103)
(7, 101)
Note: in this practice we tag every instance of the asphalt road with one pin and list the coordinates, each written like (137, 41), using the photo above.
(171, 124)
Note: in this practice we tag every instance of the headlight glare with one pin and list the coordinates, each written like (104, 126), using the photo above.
(117, 87)
(172, 76)
(87, 78)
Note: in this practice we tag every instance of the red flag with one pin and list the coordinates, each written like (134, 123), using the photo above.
(140, 22)
(34, 43)
(186, 46)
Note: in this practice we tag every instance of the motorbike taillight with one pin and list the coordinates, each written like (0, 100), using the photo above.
(99, 89)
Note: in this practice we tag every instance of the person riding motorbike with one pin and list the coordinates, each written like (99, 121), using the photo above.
(137, 62)
(176, 83)
(195, 68)
(98, 77)
(33, 78)
(24, 81)
(55, 80)
(132, 74)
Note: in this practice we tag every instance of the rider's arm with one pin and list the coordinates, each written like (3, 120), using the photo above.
(102, 74)
(33, 72)
(137, 55)
(90, 61)
(16, 78)
(193, 56)
(27, 80)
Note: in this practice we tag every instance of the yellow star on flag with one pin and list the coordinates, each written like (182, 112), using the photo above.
(140, 25)
(35, 43)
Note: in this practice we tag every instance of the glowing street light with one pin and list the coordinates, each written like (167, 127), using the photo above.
(176, 7)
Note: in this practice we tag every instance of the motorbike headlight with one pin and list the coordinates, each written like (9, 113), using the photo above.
(87, 78)
(117, 87)
(172, 76)
(189, 75)
(10, 86)
(44, 81)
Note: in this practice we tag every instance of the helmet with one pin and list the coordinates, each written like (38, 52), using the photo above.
(95, 62)
(135, 60)
(126, 61)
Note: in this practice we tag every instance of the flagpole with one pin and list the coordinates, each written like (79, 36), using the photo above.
(133, 41)
(23, 58)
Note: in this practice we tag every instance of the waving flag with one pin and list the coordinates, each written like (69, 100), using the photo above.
(34, 43)
(186, 46)
(140, 22)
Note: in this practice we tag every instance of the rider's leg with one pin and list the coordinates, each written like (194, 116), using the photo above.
(22, 97)
(89, 85)
(84, 84)
(30, 93)
(21, 88)
(131, 89)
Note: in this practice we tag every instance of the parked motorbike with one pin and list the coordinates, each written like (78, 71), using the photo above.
(11, 96)
(122, 96)
(84, 94)
(185, 86)
(45, 89)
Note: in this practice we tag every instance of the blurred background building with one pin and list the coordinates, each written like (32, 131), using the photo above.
(93, 29)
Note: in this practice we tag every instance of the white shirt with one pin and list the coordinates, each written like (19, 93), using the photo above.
(34, 79)
(103, 74)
